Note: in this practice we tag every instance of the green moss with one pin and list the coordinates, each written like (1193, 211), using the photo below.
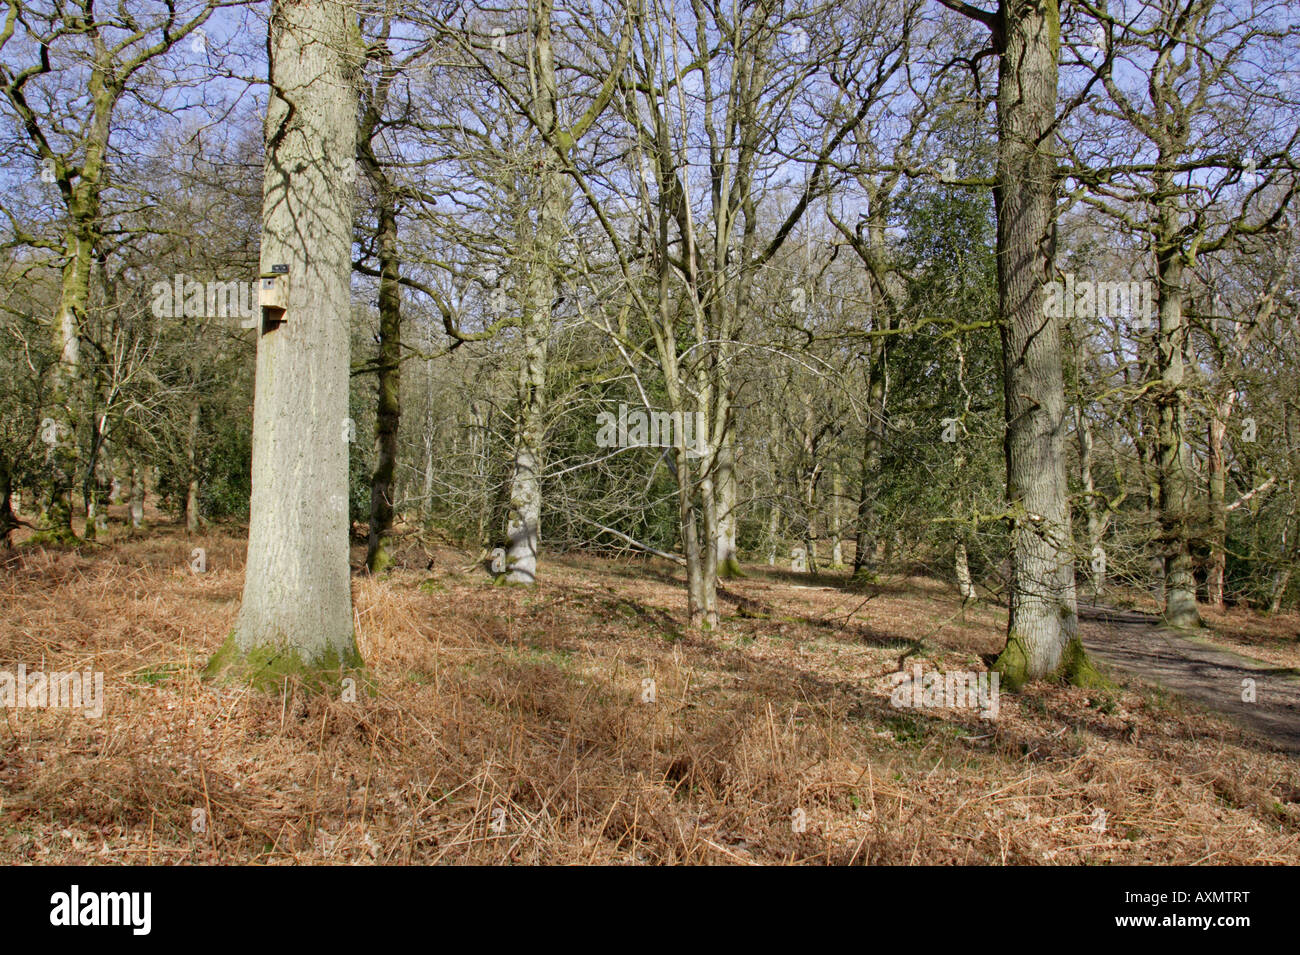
(909, 729)
(159, 674)
(503, 580)
(56, 536)
(864, 576)
(1013, 664)
(267, 667)
(380, 559)
(730, 568)
(1075, 668)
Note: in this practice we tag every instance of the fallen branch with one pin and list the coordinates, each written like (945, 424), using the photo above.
(635, 543)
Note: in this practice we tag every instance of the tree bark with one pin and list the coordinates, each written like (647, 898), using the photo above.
(1216, 467)
(837, 535)
(136, 505)
(8, 520)
(1096, 526)
(961, 567)
(193, 520)
(728, 562)
(1171, 402)
(296, 614)
(524, 519)
(388, 406)
(883, 318)
(1042, 626)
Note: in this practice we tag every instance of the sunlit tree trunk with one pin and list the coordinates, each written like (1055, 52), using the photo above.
(1217, 473)
(961, 568)
(1095, 527)
(837, 542)
(728, 562)
(136, 499)
(296, 614)
(192, 517)
(1171, 403)
(524, 519)
(1042, 624)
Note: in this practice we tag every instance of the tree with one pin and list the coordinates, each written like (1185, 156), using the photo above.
(98, 57)
(296, 615)
(1042, 626)
(1190, 154)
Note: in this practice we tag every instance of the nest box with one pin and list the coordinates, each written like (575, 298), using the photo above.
(273, 296)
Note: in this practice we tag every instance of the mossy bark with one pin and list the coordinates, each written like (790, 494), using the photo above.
(266, 667)
(729, 567)
(1075, 668)
(1171, 404)
(1043, 617)
(725, 542)
(388, 410)
(542, 248)
(55, 535)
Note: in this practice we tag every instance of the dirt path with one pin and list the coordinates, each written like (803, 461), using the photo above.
(1136, 644)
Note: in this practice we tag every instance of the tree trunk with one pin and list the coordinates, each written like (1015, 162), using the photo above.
(8, 521)
(92, 483)
(1042, 625)
(136, 505)
(1280, 581)
(811, 523)
(1282, 576)
(728, 563)
(961, 566)
(388, 409)
(866, 538)
(1095, 524)
(429, 434)
(837, 534)
(192, 518)
(61, 426)
(296, 614)
(773, 527)
(1217, 571)
(80, 189)
(882, 311)
(524, 520)
(1171, 400)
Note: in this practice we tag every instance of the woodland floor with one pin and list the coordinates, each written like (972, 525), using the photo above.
(509, 726)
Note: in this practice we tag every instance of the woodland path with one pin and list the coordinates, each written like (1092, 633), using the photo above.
(1138, 645)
